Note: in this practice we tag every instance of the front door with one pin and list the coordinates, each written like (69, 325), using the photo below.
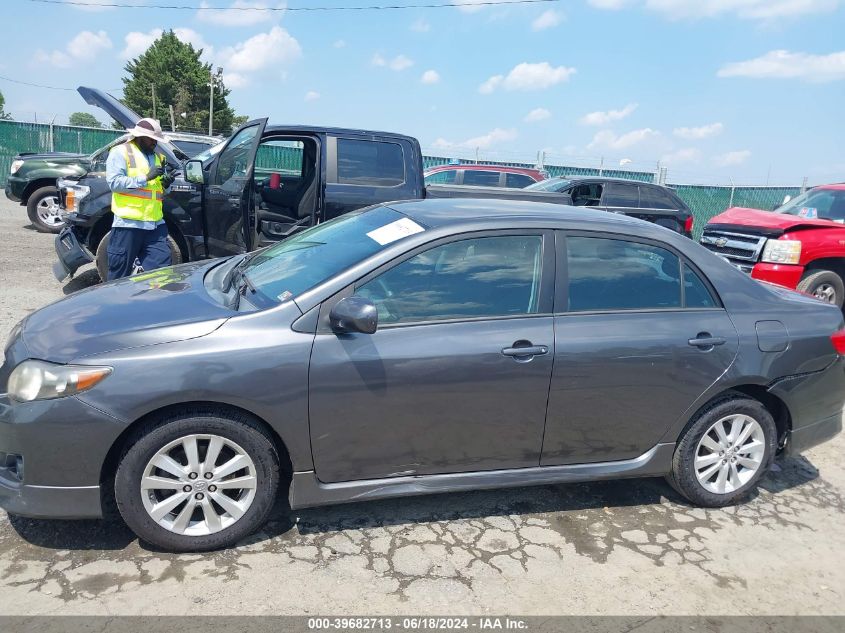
(455, 379)
(630, 349)
(228, 202)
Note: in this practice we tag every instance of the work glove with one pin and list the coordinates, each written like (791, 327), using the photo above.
(154, 173)
(167, 180)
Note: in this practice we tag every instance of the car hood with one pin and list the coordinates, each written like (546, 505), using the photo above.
(771, 220)
(163, 306)
(59, 158)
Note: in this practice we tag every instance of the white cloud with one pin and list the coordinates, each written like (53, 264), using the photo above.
(312, 95)
(469, 6)
(421, 26)
(398, 63)
(603, 118)
(698, 133)
(339, 44)
(497, 135)
(235, 80)
(537, 114)
(686, 155)
(84, 46)
(785, 65)
(547, 20)
(608, 4)
(748, 9)
(265, 50)
(430, 77)
(241, 13)
(731, 159)
(608, 139)
(527, 76)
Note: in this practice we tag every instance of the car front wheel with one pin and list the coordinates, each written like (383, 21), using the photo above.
(825, 285)
(198, 482)
(43, 210)
(724, 451)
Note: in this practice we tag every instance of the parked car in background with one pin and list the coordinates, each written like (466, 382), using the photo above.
(483, 176)
(800, 245)
(644, 200)
(416, 347)
(32, 180)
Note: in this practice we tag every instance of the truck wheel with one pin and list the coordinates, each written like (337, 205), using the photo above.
(43, 210)
(825, 285)
(197, 481)
(724, 451)
(103, 256)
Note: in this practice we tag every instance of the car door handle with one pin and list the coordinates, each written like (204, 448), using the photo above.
(706, 341)
(532, 350)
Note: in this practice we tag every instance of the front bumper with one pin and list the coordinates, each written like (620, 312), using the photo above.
(11, 194)
(785, 275)
(15, 187)
(62, 445)
(71, 254)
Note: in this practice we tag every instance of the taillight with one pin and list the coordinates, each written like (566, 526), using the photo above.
(838, 340)
(688, 224)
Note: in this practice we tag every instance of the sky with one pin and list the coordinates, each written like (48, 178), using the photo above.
(716, 91)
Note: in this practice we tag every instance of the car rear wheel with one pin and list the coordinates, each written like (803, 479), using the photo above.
(724, 451)
(43, 210)
(102, 258)
(197, 482)
(825, 285)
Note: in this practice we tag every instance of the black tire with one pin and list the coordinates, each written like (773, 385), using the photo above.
(824, 284)
(683, 476)
(102, 257)
(38, 197)
(150, 439)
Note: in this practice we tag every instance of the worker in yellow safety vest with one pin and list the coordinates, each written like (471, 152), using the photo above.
(135, 173)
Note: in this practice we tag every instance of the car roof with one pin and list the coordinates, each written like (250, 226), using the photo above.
(334, 131)
(504, 168)
(839, 186)
(442, 212)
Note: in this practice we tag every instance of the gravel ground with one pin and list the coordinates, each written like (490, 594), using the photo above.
(630, 547)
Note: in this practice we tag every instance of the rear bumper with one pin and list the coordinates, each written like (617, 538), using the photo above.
(812, 435)
(785, 275)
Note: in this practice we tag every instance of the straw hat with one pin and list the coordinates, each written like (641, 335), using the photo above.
(149, 128)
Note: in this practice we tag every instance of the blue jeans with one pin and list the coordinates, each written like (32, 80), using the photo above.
(125, 245)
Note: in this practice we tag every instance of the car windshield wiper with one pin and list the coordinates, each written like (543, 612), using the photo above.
(229, 279)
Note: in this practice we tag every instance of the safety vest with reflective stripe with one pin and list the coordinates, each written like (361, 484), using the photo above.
(144, 203)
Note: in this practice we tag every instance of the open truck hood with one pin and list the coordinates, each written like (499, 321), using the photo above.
(121, 114)
(767, 222)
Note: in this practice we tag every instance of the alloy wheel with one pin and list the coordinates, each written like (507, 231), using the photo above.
(729, 454)
(49, 211)
(826, 292)
(198, 485)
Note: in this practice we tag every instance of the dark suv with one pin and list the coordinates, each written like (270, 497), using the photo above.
(651, 202)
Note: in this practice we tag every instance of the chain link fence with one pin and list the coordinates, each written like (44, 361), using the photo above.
(705, 201)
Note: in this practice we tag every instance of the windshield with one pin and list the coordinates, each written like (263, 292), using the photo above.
(817, 204)
(315, 255)
(552, 184)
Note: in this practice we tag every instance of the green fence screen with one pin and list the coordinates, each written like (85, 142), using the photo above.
(705, 201)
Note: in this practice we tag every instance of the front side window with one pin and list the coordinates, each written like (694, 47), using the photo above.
(371, 163)
(445, 177)
(610, 274)
(621, 195)
(481, 178)
(236, 160)
(481, 277)
(586, 195)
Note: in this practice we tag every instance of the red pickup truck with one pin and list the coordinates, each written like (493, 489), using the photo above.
(800, 245)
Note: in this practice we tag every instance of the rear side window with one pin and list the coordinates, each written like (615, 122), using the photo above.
(481, 178)
(696, 294)
(621, 195)
(518, 181)
(446, 177)
(377, 164)
(654, 198)
(609, 274)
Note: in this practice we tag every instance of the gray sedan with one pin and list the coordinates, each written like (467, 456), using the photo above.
(411, 348)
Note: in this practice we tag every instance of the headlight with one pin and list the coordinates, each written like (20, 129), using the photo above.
(74, 193)
(16, 165)
(782, 252)
(37, 380)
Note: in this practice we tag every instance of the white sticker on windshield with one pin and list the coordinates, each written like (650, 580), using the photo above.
(395, 231)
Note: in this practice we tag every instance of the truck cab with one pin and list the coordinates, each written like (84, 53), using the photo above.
(800, 245)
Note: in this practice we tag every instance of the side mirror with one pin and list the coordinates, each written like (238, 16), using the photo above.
(194, 172)
(354, 314)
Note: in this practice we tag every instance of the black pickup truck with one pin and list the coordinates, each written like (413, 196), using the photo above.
(265, 183)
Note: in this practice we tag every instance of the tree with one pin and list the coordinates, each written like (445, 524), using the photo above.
(83, 119)
(4, 116)
(172, 71)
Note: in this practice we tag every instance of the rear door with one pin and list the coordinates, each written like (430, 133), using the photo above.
(639, 336)
(229, 206)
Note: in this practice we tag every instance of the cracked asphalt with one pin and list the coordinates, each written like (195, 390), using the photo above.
(625, 547)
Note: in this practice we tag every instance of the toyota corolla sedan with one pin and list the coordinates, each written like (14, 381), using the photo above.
(411, 348)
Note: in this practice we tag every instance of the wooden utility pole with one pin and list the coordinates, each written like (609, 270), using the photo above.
(211, 102)
(154, 100)
(172, 119)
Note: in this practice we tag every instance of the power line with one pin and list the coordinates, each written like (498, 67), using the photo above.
(382, 7)
(26, 83)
